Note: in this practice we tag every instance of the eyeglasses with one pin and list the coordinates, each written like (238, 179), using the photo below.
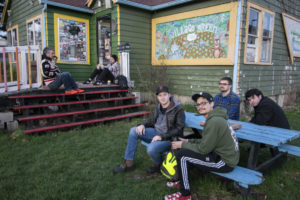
(224, 84)
(201, 104)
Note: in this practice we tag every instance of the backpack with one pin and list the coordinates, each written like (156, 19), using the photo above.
(169, 167)
(122, 81)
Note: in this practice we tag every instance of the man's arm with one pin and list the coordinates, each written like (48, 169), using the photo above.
(46, 67)
(263, 115)
(150, 122)
(178, 126)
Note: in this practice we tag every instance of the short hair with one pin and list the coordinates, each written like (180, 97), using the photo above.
(227, 79)
(253, 92)
(114, 57)
(47, 49)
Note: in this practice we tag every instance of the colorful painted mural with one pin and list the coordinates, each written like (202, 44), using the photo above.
(194, 38)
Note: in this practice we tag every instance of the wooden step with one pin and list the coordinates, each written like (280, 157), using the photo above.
(63, 94)
(87, 122)
(73, 103)
(22, 119)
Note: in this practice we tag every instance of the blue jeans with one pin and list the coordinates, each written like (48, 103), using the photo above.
(63, 78)
(154, 150)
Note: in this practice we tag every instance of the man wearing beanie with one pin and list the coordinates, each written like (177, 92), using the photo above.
(217, 150)
(165, 125)
(105, 73)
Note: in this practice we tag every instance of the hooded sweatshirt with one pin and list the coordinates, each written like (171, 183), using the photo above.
(218, 137)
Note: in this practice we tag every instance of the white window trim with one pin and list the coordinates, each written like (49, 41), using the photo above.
(32, 20)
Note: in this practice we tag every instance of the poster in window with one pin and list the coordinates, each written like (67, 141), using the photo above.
(71, 39)
(292, 32)
(200, 37)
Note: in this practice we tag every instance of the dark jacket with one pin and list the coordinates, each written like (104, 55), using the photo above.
(175, 121)
(268, 113)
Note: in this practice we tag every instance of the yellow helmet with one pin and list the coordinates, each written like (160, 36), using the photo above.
(169, 167)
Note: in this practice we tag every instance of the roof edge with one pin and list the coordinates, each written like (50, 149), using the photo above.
(152, 8)
(61, 5)
(4, 12)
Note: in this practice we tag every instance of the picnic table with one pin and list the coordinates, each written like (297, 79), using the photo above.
(258, 135)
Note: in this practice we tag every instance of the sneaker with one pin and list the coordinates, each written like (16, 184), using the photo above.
(154, 168)
(124, 167)
(177, 196)
(71, 92)
(97, 83)
(80, 90)
(87, 82)
(173, 184)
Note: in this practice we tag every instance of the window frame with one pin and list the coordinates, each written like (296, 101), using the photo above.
(261, 11)
(32, 19)
(17, 31)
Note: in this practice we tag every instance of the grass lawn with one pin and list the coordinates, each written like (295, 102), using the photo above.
(78, 165)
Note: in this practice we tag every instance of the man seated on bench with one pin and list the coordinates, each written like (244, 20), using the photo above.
(165, 124)
(53, 77)
(266, 111)
(218, 150)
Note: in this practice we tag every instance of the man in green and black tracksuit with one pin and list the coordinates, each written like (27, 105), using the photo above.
(217, 150)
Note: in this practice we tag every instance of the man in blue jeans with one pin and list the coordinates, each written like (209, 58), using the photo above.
(165, 125)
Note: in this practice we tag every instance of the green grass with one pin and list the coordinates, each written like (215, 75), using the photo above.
(78, 165)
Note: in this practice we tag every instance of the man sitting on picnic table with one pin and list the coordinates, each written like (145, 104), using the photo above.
(266, 111)
(165, 124)
(218, 150)
(53, 77)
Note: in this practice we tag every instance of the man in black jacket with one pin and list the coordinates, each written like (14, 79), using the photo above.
(266, 111)
(165, 125)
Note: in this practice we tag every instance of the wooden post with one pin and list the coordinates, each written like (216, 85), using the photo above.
(17, 67)
(4, 69)
(29, 67)
(10, 67)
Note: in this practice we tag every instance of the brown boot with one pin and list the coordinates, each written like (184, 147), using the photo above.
(154, 168)
(127, 166)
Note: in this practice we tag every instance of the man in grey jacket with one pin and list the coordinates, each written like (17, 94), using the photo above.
(165, 125)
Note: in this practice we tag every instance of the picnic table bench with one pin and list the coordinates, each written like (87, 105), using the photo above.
(256, 135)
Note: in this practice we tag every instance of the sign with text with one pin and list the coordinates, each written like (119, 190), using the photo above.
(292, 32)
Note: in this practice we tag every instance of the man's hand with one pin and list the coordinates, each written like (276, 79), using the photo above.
(98, 66)
(156, 138)
(176, 145)
(235, 126)
(140, 130)
(202, 123)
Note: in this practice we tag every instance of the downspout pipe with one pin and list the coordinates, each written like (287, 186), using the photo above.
(236, 51)
(44, 24)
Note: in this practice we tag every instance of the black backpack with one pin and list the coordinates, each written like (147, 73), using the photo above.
(122, 81)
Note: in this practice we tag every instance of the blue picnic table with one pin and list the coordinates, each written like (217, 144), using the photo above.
(258, 135)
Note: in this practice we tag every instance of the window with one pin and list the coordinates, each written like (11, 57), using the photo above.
(12, 36)
(71, 39)
(34, 31)
(260, 27)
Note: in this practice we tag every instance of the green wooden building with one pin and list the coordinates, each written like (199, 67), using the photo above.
(187, 44)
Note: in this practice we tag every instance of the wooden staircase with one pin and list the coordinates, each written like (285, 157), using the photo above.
(46, 110)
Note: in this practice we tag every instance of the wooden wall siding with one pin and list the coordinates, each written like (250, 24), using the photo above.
(21, 10)
(79, 72)
(281, 77)
(135, 29)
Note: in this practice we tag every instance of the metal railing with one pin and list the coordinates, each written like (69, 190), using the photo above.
(20, 68)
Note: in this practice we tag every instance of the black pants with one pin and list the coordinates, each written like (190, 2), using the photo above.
(102, 75)
(209, 162)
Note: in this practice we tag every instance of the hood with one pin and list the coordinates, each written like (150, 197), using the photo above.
(218, 112)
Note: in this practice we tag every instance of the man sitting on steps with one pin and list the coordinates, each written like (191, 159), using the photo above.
(165, 125)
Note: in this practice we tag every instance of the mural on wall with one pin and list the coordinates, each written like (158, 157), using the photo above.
(71, 39)
(199, 37)
(292, 32)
